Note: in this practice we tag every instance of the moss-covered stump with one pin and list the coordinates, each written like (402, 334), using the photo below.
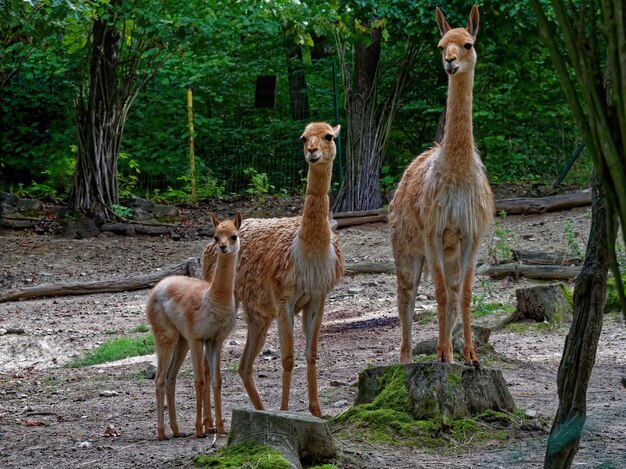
(298, 436)
(551, 303)
(440, 392)
(244, 455)
(480, 336)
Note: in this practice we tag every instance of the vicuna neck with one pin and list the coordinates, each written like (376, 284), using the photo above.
(223, 284)
(458, 140)
(315, 228)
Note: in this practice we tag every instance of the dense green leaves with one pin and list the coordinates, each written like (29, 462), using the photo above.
(523, 127)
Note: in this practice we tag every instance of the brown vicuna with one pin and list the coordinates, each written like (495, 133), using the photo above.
(444, 206)
(288, 265)
(188, 313)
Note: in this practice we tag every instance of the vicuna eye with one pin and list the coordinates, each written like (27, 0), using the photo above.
(216, 239)
(234, 237)
(440, 48)
(303, 138)
(329, 137)
(468, 45)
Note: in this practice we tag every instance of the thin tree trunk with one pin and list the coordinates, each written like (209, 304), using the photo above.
(95, 186)
(582, 341)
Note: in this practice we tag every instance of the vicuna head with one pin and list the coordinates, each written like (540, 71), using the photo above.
(457, 45)
(319, 143)
(226, 234)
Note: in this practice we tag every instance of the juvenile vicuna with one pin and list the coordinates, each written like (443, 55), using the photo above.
(187, 313)
(444, 206)
(288, 265)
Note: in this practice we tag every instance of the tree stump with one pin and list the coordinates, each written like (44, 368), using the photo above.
(551, 303)
(443, 391)
(297, 436)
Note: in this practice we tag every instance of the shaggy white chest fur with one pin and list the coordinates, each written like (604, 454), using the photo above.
(312, 272)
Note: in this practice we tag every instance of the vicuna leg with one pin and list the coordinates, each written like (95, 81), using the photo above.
(285, 333)
(214, 352)
(408, 274)
(452, 273)
(257, 331)
(312, 320)
(206, 398)
(178, 357)
(165, 352)
(197, 360)
(435, 261)
(469, 251)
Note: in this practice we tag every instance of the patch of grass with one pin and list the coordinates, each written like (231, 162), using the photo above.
(425, 317)
(116, 349)
(612, 297)
(527, 327)
(425, 358)
(142, 328)
(246, 456)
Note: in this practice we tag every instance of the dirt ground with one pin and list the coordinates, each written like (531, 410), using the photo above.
(52, 416)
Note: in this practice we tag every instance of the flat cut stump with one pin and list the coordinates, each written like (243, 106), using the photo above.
(443, 391)
(551, 303)
(298, 436)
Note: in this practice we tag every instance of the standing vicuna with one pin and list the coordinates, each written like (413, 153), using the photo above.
(288, 265)
(444, 206)
(188, 313)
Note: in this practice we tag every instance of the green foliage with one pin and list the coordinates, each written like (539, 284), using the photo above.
(116, 349)
(570, 237)
(500, 244)
(122, 212)
(244, 456)
(259, 185)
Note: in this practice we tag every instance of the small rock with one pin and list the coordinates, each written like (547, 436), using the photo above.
(150, 372)
(3, 331)
(84, 444)
(108, 393)
(422, 298)
(354, 290)
(531, 413)
(340, 403)
(234, 342)
(335, 383)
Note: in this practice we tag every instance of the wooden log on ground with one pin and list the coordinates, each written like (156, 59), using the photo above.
(98, 286)
(353, 221)
(360, 213)
(544, 258)
(551, 303)
(536, 272)
(551, 203)
(370, 268)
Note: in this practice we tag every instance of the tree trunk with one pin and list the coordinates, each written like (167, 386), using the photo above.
(361, 189)
(99, 125)
(581, 342)
(297, 85)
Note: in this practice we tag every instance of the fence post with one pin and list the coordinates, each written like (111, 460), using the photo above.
(192, 159)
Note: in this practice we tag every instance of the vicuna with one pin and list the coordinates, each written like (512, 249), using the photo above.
(187, 313)
(288, 265)
(444, 206)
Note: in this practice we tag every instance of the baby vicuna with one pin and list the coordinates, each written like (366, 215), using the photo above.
(444, 205)
(187, 313)
(288, 265)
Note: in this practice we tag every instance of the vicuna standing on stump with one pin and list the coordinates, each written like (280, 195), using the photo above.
(187, 313)
(444, 206)
(288, 265)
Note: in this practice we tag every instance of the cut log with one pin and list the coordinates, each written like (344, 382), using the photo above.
(99, 286)
(537, 272)
(361, 213)
(551, 303)
(346, 222)
(370, 268)
(544, 258)
(296, 435)
(442, 391)
(528, 206)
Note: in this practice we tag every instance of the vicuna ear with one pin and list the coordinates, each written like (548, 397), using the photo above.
(336, 130)
(238, 220)
(215, 220)
(472, 25)
(442, 24)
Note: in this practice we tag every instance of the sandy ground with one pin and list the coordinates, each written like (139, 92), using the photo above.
(52, 416)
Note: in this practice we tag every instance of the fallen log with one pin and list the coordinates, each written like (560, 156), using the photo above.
(544, 258)
(527, 206)
(138, 282)
(536, 272)
(370, 268)
(360, 220)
